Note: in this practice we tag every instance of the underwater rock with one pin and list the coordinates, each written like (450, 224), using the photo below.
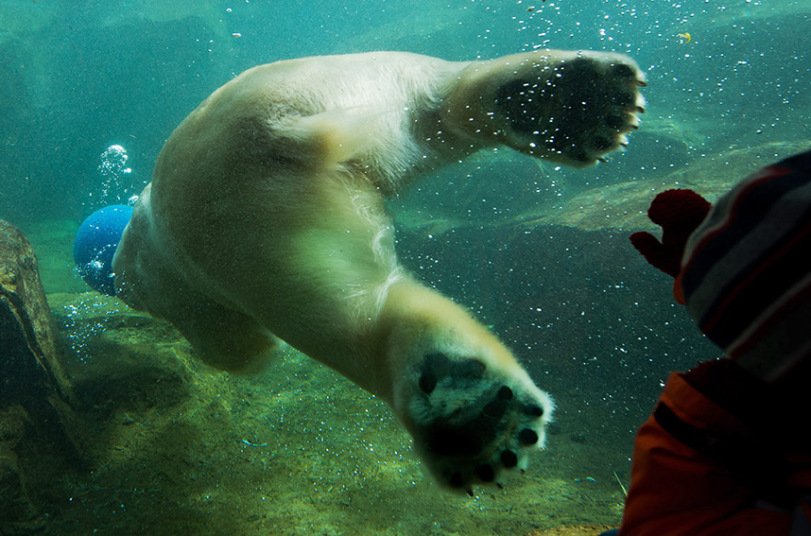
(29, 364)
(17, 511)
(119, 359)
(572, 530)
(609, 205)
(34, 390)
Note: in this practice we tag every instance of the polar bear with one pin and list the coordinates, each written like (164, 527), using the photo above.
(265, 221)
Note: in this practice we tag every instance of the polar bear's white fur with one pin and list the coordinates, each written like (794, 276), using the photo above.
(265, 219)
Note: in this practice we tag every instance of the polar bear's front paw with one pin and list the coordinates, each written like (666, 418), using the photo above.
(471, 422)
(573, 109)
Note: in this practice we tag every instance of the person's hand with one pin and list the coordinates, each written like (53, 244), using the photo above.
(745, 270)
(678, 212)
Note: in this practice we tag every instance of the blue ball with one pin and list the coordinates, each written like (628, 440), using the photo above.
(95, 244)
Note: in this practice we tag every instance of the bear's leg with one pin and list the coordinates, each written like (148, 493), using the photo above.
(222, 337)
(330, 286)
(472, 409)
(323, 280)
(570, 107)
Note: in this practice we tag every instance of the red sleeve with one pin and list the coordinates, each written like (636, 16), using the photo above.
(677, 489)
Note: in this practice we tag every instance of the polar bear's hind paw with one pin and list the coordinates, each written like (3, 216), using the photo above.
(472, 422)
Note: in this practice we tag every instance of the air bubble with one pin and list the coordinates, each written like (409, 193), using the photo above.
(115, 177)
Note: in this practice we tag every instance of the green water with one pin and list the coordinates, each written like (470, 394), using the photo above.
(538, 252)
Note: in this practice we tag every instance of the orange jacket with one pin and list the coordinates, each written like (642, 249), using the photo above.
(701, 467)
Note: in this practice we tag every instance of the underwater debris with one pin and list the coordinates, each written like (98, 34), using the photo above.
(252, 444)
(685, 37)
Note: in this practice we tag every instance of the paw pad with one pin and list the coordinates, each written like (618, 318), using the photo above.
(472, 422)
(575, 110)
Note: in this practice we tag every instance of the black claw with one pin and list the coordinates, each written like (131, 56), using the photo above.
(534, 410)
(509, 459)
(504, 393)
(641, 83)
(640, 109)
(469, 491)
(499, 485)
(527, 437)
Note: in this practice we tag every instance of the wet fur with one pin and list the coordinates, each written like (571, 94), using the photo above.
(265, 221)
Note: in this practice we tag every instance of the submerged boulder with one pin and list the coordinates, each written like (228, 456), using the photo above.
(29, 364)
(35, 392)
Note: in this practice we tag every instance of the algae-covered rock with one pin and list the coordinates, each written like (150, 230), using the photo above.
(29, 363)
(120, 358)
(617, 205)
(34, 389)
(31, 370)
